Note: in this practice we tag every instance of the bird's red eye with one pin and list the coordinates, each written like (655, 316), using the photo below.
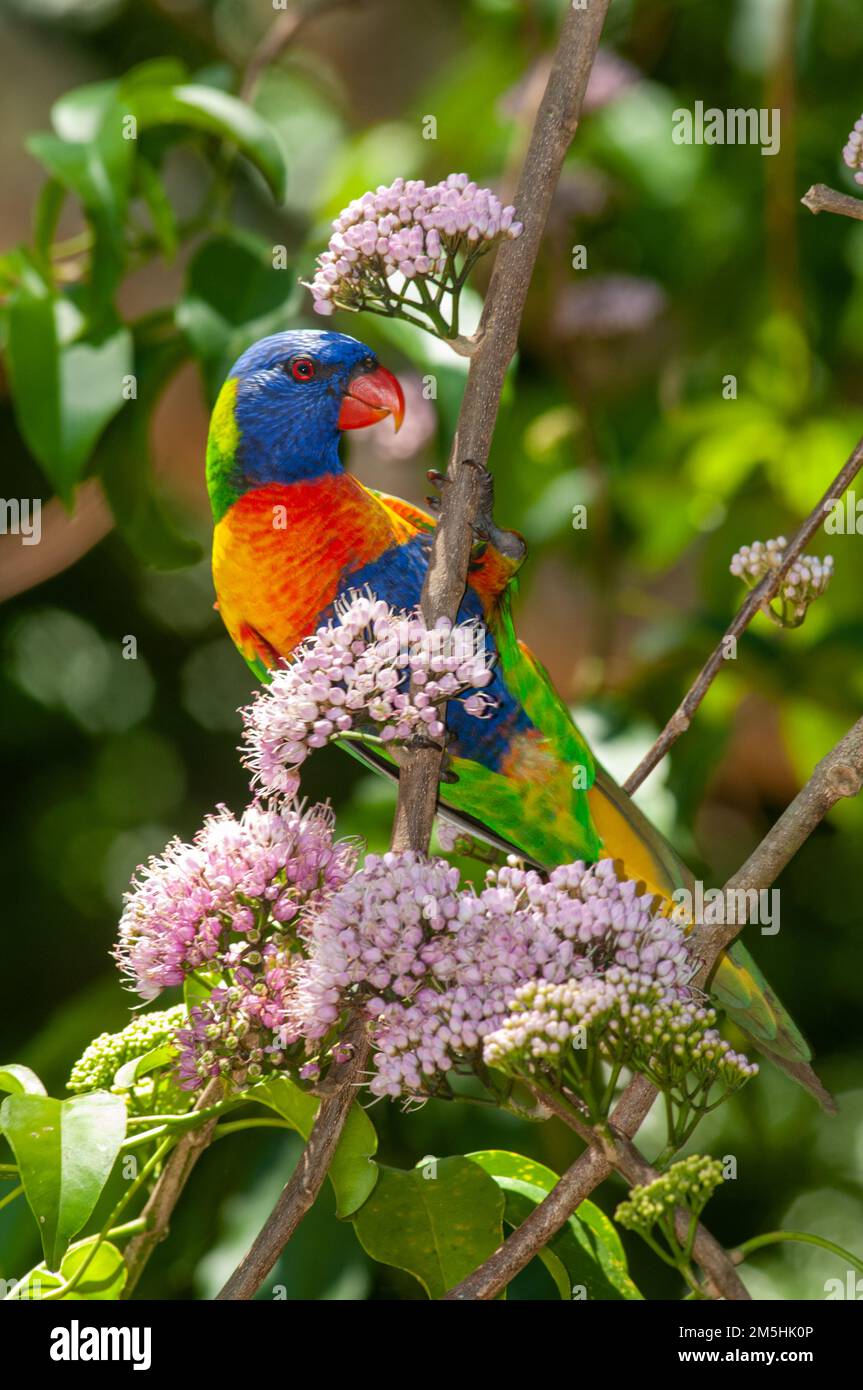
(302, 369)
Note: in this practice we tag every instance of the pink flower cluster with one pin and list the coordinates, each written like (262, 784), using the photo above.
(627, 1019)
(437, 966)
(238, 878)
(269, 907)
(234, 1033)
(375, 669)
(804, 581)
(407, 229)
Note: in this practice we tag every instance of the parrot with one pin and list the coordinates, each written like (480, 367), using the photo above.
(294, 533)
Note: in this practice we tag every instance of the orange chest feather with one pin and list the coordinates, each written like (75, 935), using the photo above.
(280, 553)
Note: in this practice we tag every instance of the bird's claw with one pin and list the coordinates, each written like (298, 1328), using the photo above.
(508, 543)
(485, 529)
(437, 480)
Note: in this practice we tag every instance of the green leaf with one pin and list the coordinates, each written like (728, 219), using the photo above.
(48, 208)
(97, 171)
(78, 115)
(124, 465)
(105, 1275)
(65, 1150)
(159, 207)
(64, 392)
(352, 1172)
(438, 1221)
(216, 113)
(155, 72)
(586, 1253)
(34, 364)
(233, 296)
(132, 1071)
(104, 1278)
(20, 1080)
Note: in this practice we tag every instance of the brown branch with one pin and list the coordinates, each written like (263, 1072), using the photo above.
(622, 1155)
(755, 601)
(169, 1188)
(820, 198)
(497, 339)
(299, 1193)
(587, 1172)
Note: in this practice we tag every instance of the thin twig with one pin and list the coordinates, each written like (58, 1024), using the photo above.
(307, 1179)
(168, 1190)
(497, 339)
(759, 597)
(820, 198)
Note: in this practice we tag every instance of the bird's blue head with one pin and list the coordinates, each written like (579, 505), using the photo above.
(295, 392)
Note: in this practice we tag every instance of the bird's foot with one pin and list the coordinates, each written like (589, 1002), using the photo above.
(485, 529)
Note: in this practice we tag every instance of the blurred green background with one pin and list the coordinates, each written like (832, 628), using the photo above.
(700, 264)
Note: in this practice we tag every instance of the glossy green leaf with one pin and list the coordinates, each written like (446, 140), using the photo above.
(233, 296)
(97, 171)
(155, 72)
(104, 1277)
(64, 393)
(20, 1080)
(49, 205)
(65, 1150)
(159, 207)
(352, 1172)
(217, 113)
(132, 1071)
(438, 1221)
(124, 465)
(78, 115)
(586, 1253)
(33, 354)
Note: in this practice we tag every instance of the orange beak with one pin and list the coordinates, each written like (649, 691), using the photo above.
(371, 397)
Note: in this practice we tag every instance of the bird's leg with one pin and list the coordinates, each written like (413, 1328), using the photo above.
(507, 543)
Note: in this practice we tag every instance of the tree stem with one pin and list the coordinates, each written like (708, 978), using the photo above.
(554, 128)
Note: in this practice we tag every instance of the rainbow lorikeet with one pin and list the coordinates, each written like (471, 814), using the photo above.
(294, 532)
